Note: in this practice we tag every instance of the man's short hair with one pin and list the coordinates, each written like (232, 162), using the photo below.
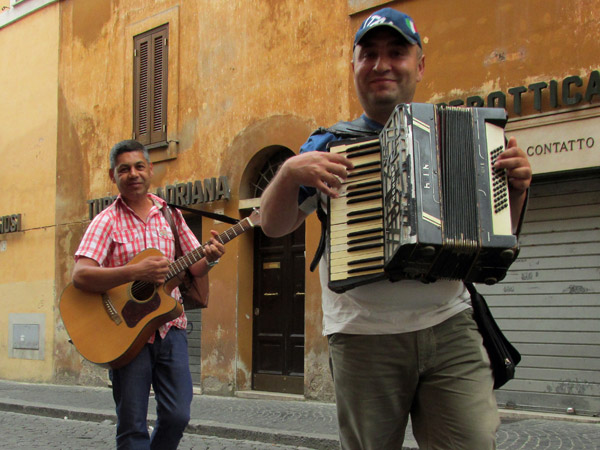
(128, 145)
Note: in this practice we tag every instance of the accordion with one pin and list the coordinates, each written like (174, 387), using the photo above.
(423, 201)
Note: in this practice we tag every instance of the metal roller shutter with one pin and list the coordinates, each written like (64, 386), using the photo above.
(549, 303)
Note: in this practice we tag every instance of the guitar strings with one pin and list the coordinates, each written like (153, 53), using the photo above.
(139, 287)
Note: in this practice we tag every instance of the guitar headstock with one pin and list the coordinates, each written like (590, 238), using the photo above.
(254, 218)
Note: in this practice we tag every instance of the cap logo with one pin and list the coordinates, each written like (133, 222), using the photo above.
(399, 21)
(374, 20)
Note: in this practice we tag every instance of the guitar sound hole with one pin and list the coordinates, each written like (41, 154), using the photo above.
(142, 290)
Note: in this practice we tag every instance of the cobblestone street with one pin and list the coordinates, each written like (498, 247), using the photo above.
(533, 434)
(27, 431)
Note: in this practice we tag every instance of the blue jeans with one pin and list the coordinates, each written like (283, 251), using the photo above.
(164, 366)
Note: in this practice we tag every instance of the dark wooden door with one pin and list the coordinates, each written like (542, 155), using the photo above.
(278, 331)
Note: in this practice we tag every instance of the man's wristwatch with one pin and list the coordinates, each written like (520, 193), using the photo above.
(212, 263)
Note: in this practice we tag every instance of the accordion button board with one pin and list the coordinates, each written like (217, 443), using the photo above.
(423, 200)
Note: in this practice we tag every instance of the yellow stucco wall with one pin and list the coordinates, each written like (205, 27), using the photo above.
(28, 160)
(242, 76)
(234, 71)
(474, 48)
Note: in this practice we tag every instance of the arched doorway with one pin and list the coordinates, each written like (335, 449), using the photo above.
(278, 298)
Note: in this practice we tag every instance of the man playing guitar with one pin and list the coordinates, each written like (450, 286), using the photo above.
(133, 223)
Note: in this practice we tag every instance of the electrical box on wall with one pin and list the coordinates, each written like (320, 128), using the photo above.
(26, 336)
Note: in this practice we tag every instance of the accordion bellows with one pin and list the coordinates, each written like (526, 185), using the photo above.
(423, 200)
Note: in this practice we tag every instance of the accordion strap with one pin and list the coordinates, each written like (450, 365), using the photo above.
(322, 241)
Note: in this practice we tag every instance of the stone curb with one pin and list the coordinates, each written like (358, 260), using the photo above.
(57, 412)
(204, 428)
(242, 432)
(251, 433)
(511, 414)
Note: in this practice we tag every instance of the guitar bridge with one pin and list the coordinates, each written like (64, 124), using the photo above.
(110, 310)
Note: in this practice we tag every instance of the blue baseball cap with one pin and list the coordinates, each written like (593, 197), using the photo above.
(389, 17)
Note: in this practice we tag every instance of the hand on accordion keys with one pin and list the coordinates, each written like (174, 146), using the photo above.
(518, 170)
(517, 166)
(321, 170)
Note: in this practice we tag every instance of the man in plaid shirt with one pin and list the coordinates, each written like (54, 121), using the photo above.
(135, 222)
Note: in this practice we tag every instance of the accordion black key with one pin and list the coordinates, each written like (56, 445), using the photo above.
(423, 201)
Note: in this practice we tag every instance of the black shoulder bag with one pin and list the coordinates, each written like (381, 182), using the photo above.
(504, 357)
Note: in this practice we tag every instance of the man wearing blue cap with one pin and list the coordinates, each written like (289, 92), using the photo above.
(396, 349)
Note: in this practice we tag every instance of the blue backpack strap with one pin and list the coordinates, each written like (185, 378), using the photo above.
(356, 128)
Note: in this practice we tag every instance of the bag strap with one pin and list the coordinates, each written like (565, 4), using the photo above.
(169, 217)
(182, 277)
(522, 216)
(471, 289)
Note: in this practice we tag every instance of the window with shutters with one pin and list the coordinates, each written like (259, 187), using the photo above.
(150, 87)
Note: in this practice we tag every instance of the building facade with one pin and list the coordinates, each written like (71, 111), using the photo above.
(221, 93)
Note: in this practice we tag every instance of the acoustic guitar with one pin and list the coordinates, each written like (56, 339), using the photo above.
(110, 329)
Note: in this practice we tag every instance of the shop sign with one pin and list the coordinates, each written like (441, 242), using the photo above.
(181, 194)
(10, 223)
(559, 142)
(571, 92)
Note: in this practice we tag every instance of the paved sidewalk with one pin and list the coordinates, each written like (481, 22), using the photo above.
(285, 419)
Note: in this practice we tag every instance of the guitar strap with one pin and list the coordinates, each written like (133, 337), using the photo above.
(190, 293)
(167, 213)
(216, 216)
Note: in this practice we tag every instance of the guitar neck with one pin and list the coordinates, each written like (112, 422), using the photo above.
(182, 263)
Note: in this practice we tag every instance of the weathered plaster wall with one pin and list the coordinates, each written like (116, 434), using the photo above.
(245, 75)
(235, 70)
(28, 161)
(474, 48)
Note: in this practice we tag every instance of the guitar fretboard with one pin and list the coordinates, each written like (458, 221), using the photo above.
(182, 263)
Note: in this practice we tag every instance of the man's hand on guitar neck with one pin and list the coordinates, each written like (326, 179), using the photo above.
(212, 250)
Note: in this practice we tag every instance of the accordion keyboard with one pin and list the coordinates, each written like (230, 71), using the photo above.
(356, 236)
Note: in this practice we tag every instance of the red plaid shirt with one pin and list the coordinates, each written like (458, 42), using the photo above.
(117, 234)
